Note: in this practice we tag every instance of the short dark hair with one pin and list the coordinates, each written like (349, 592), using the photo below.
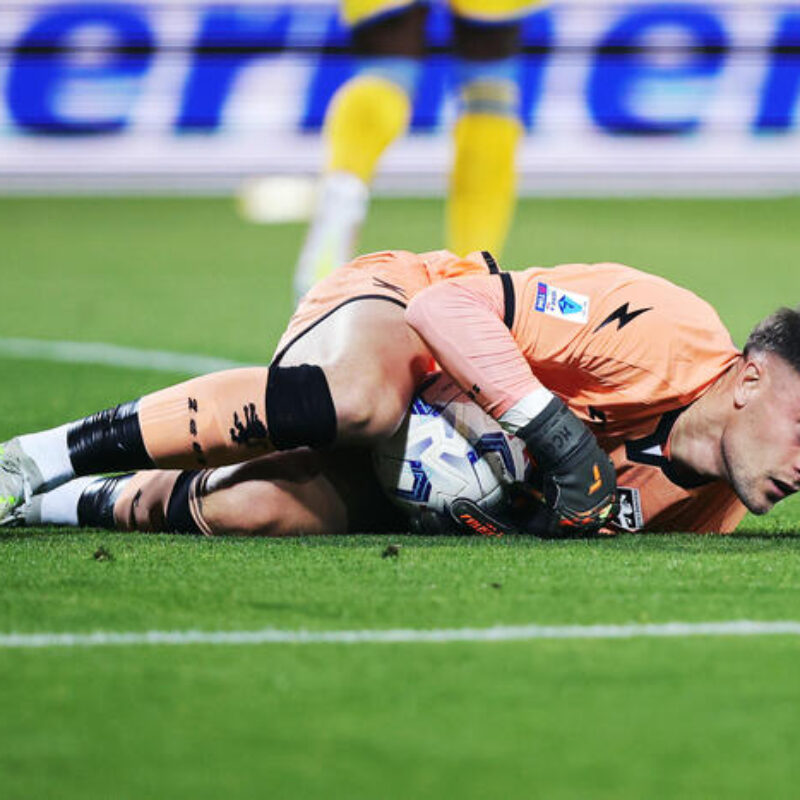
(779, 333)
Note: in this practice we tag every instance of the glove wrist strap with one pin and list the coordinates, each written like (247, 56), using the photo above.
(554, 435)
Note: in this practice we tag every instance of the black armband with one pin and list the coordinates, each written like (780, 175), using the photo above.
(300, 411)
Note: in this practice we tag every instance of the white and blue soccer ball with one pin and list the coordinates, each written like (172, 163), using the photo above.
(448, 448)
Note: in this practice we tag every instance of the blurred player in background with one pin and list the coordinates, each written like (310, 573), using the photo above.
(373, 109)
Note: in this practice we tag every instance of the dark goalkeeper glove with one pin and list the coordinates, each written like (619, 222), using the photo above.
(578, 480)
(463, 518)
(470, 518)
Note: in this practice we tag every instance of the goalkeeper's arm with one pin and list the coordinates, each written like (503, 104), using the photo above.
(462, 322)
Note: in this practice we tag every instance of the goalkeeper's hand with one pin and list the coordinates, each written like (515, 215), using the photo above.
(470, 518)
(465, 518)
(578, 480)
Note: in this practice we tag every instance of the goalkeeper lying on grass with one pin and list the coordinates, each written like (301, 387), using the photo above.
(622, 386)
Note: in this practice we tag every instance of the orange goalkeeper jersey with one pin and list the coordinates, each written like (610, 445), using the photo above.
(627, 351)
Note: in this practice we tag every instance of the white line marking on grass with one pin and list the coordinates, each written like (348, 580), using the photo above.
(113, 355)
(500, 633)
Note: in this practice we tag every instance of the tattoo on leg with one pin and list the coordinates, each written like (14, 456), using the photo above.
(250, 432)
(193, 432)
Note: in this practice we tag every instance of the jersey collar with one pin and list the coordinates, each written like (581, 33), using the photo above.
(654, 451)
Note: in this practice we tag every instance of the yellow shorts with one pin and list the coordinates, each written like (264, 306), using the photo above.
(357, 11)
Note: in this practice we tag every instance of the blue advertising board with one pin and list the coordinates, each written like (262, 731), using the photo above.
(652, 91)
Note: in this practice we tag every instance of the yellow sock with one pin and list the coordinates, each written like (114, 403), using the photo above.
(367, 114)
(483, 182)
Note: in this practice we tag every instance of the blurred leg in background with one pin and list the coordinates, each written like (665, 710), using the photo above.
(367, 113)
(373, 109)
(482, 196)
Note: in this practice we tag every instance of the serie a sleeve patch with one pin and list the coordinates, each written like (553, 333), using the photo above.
(562, 304)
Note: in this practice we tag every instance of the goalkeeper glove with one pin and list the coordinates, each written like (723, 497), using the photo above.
(463, 518)
(472, 519)
(578, 479)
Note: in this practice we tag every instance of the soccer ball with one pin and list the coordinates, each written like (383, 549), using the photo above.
(448, 448)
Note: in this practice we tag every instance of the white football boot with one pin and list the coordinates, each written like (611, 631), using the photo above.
(331, 239)
(18, 477)
(25, 515)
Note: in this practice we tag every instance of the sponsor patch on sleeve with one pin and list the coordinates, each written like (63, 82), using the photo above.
(559, 303)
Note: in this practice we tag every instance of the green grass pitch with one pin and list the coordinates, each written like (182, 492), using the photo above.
(646, 718)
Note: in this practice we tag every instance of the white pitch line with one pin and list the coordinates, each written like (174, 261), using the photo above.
(500, 633)
(113, 355)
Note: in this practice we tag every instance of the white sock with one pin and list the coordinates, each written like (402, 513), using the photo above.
(331, 239)
(60, 506)
(50, 453)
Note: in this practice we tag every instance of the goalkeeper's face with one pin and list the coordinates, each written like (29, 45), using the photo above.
(761, 443)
